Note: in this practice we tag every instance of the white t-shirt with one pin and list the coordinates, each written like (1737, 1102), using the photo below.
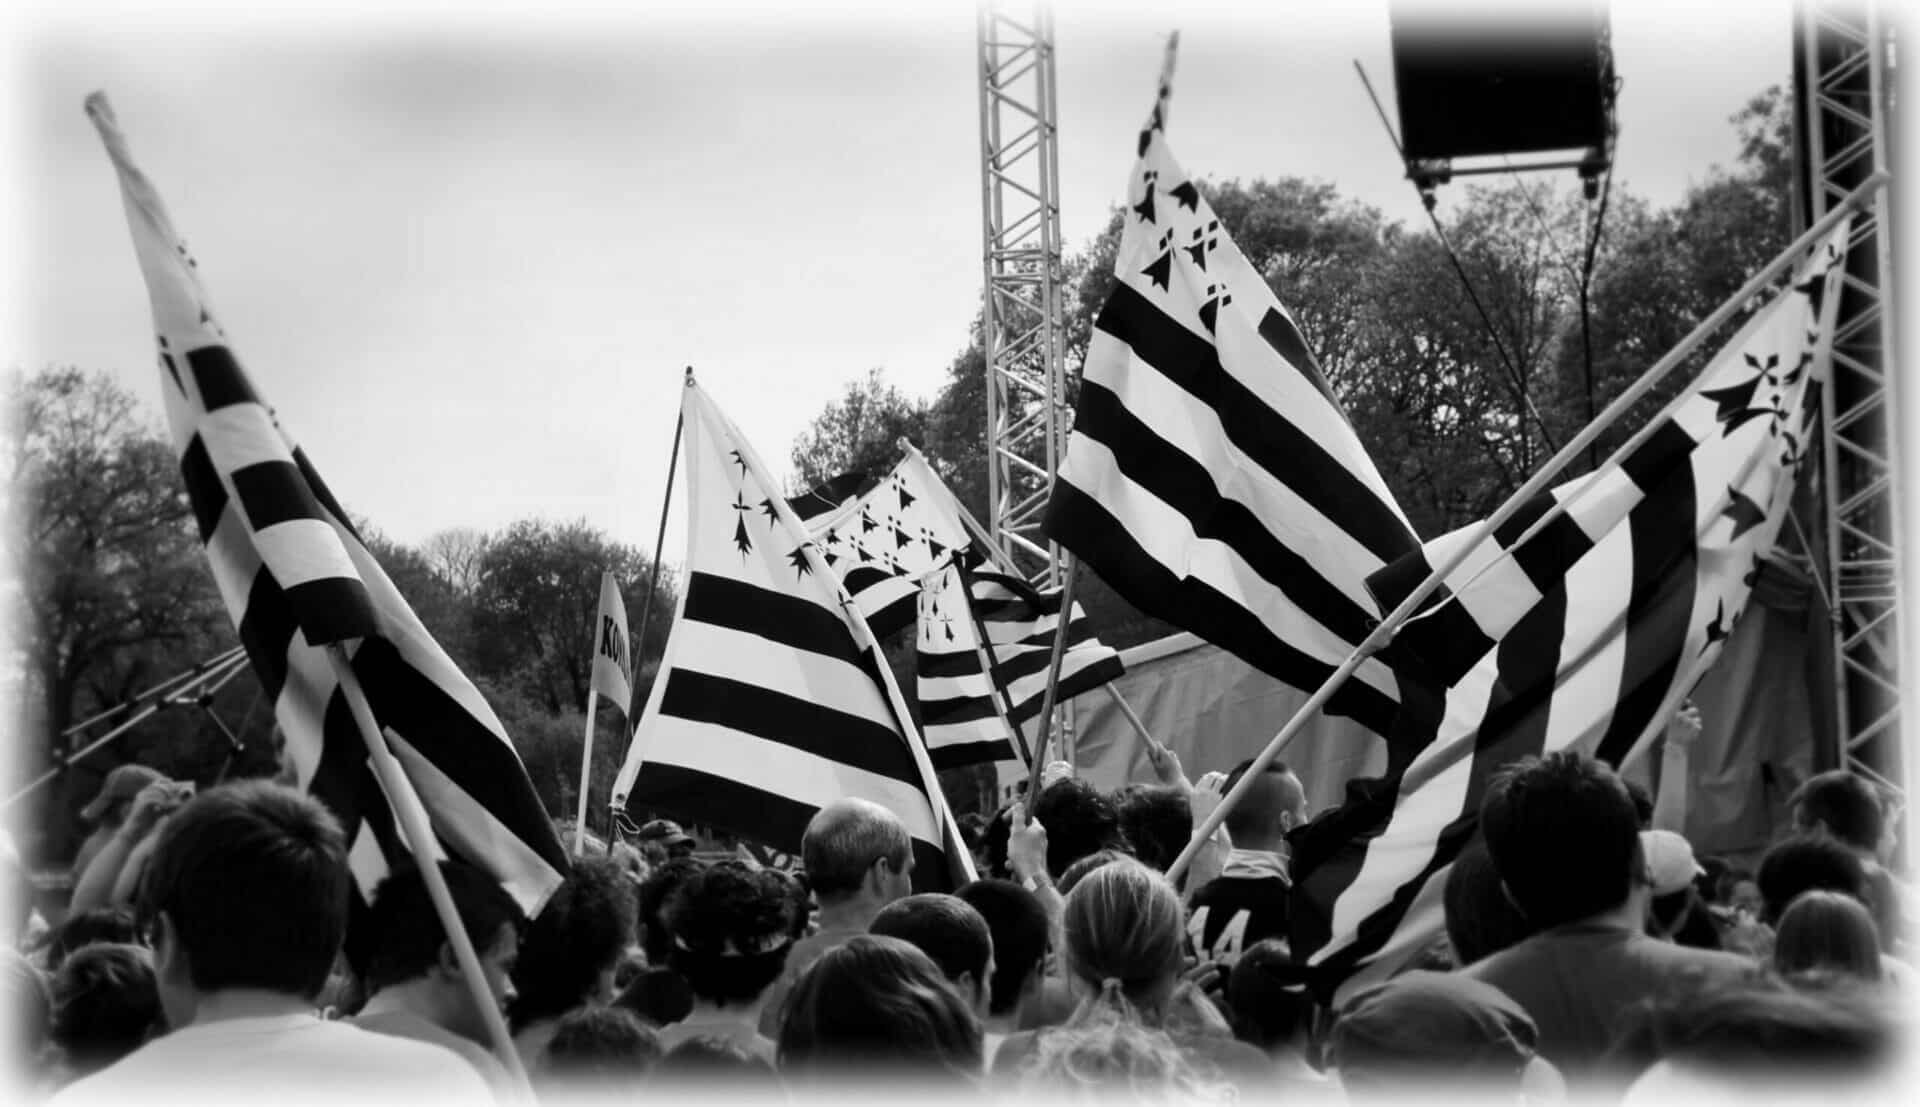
(281, 1060)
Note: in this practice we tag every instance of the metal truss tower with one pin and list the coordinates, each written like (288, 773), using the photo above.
(1843, 103)
(1022, 324)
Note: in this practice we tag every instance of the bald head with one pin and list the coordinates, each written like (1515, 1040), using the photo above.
(1276, 803)
(845, 840)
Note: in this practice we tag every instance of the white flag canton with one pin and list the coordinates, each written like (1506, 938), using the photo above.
(883, 543)
(612, 659)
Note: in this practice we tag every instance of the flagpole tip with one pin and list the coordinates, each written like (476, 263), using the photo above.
(689, 376)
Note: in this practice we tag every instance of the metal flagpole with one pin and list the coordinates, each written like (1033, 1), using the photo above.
(586, 770)
(1535, 484)
(638, 634)
(214, 679)
(418, 830)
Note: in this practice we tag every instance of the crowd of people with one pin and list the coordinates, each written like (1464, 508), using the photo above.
(217, 946)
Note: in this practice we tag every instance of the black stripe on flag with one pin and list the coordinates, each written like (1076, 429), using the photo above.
(895, 616)
(790, 721)
(1548, 555)
(1106, 547)
(204, 490)
(768, 817)
(1287, 341)
(266, 630)
(938, 666)
(325, 495)
(332, 609)
(1665, 574)
(957, 709)
(459, 745)
(1287, 453)
(219, 378)
(274, 492)
(961, 755)
(1071, 685)
(1185, 485)
(776, 616)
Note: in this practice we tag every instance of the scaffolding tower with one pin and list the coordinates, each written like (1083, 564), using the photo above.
(1022, 318)
(1843, 103)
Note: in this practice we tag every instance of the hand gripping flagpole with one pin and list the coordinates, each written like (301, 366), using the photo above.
(1386, 628)
(637, 634)
(417, 829)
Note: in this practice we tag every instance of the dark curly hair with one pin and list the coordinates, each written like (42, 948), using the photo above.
(1080, 820)
(580, 935)
(730, 927)
(1157, 820)
(654, 890)
(599, 1043)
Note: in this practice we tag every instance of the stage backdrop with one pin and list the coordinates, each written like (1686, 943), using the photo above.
(1768, 722)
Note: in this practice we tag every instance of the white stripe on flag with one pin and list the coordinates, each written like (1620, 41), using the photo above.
(802, 674)
(302, 550)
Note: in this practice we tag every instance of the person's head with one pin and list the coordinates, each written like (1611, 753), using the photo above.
(993, 843)
(598, 1045)
(1156, 820)
(1268, 998)
(1841, 804)
(659, 996)
(1276, 803)
(1124, 930)
(1563, 836)
(405, 943)
(1803, 864)
(1826, 932)
(879, 1006)
(1742, 892)
(1765, 1031)
(709, 1059)
(1078, 871)
(655, 887)
(1021, 934)
(106, 1004)
(1111, 1059)
(569, 953)
(666, 834)
(1481, 920)
(101, 924)
(730, 928)
(246, 889)
(856, 851)
(1399, 1035)
(947, 929)
(1080, 820)
(110, 805)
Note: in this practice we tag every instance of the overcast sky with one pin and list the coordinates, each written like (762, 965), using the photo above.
(467, 259)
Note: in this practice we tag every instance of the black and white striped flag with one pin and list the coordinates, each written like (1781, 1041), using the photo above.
(1211, 477)
(961, 708)
(886, 539)
(296, 576)
(1591, 653)
(772, 699)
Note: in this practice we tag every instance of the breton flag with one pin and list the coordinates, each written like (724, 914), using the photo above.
(885, 539)
(612, 665)
(1211, 477)
(1591, 651)
(296, 576)
(960, 706)
(772, 699)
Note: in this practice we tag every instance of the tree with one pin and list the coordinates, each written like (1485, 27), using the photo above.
(859, 432)
(534, 608)
(455, 554)
(116, 592)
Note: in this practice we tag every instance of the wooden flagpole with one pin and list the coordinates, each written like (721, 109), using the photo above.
(1388, 626)
(1053, 684)
(586, 767)
(1002, 697)
(637, 635)
(418, 831)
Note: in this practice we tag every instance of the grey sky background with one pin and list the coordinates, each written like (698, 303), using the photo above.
(467, 258)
